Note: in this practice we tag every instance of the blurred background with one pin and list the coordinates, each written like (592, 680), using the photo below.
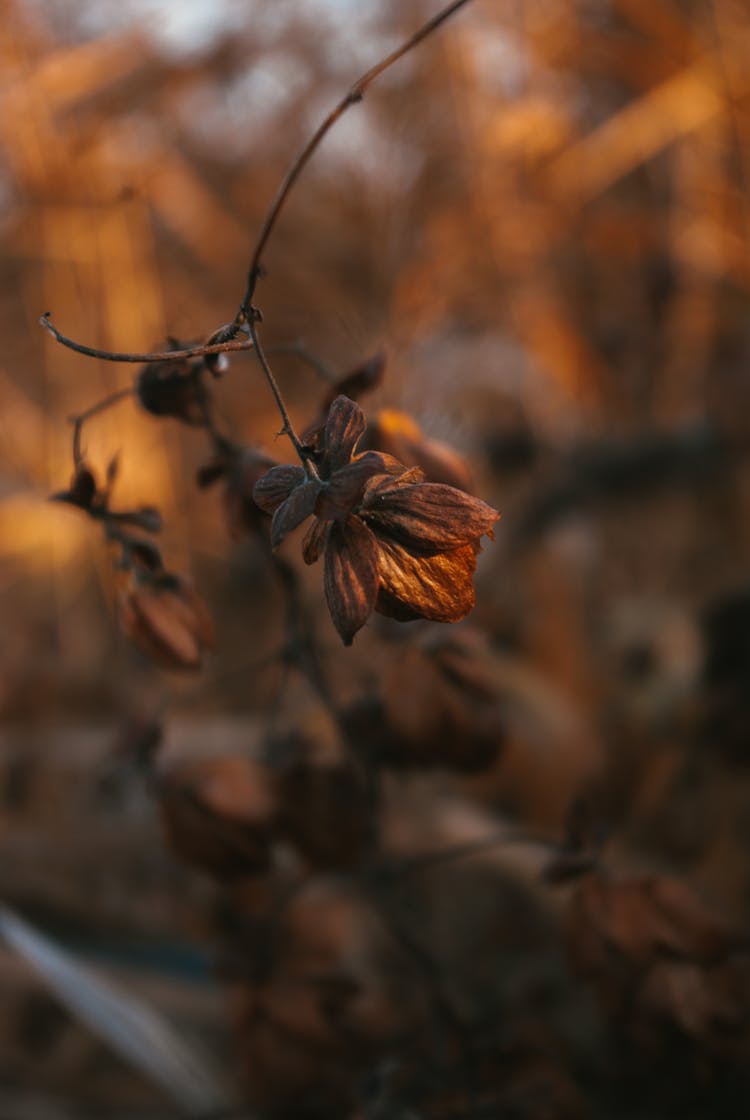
(543, 216)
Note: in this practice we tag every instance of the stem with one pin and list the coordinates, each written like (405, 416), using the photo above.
(288, 428)
(79, 420)
(157, 356)
(352, 97)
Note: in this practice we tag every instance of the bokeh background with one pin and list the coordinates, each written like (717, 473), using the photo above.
(543, 216)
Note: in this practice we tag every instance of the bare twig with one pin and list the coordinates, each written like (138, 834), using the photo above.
(224, 339)
(288, 427)
(199, 351)
(352, 97)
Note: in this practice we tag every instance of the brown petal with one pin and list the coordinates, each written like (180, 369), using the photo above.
(299, 505)
(315, 541)
(340, 496)
(351, 576)
(429, 516)
(436, 587)
(398, 476)
(276, 485)
(344, 428)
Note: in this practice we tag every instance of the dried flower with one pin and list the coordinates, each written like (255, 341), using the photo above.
(392, 542)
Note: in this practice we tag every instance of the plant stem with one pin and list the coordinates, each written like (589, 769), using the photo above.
(352, 97)
(288, 427)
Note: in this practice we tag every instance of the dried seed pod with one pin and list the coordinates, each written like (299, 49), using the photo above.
(166, 618)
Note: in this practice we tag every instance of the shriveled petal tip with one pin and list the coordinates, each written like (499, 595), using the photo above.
(276, 485)
(344, 428)
(436, 587)
(351, 576)
(298, 506)
(429, 517)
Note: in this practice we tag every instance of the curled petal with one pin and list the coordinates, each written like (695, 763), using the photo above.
(344, 428)
(429, 517)
(436, 587)
(351, 576)
(340, 496)
(276, 485)
(315, 541)
(298, 506)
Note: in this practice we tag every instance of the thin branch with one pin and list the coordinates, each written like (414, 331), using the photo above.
(224, 340)
(352, 97)
(287, 428)
(79, 420)
(199, 351)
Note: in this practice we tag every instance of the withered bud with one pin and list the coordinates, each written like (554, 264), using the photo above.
(83, 491)
(219, 814)
(166, 618)
(437, 717)
(175, 388)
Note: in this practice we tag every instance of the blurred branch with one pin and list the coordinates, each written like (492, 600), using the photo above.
(352, 97)
(135, 1031)
(82, 417)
